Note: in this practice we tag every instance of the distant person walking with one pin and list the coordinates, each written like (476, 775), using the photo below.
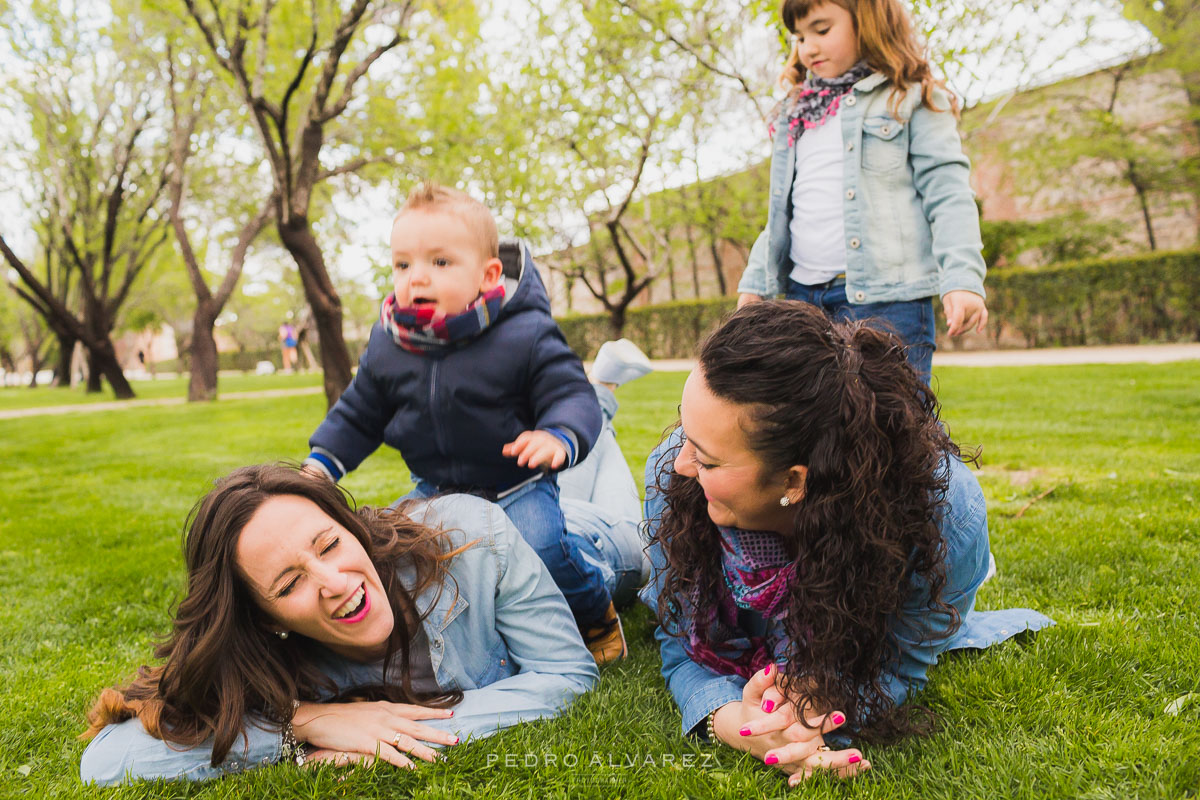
(287, 341)
(870, 212)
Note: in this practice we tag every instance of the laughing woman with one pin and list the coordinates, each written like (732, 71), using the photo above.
(311, 631)
(817, 541)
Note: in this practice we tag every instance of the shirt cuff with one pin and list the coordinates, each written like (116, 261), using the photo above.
(326, 462)
(568, 440)
(710, 697)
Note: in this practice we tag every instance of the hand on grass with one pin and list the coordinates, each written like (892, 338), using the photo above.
(964, 310)
(537, 450)
(345, 733)
(765, 725)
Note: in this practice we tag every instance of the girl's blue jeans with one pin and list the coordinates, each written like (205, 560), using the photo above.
(911, 320)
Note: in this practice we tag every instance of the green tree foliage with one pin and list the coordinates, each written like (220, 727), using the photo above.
(1072, 236)
(94, 170)
(26, 341)
(619, 93)
(333, 88)
(1070, 142)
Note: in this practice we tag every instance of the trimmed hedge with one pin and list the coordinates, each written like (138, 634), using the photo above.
(1148, 298)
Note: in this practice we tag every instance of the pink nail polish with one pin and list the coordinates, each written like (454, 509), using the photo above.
(768, 706)
(771, 759)
(767, 671)
(744, 731)
(854, 759)
(838, 719)
(455, 740)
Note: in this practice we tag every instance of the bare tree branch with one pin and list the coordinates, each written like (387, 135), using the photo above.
(355, 74)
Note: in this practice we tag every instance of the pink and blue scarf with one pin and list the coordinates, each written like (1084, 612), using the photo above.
(757, 571)
(425, 330)
(817, 100)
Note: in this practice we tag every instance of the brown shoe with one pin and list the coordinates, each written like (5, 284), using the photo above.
(606, 639)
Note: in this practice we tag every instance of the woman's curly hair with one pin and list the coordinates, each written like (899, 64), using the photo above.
(222, 668)
(841, 400)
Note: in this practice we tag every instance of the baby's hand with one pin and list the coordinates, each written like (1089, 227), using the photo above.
(537, 449)
(315, 472)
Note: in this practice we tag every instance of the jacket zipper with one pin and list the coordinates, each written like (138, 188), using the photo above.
(435, 419)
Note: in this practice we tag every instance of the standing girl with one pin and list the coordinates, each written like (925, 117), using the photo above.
(870, 212)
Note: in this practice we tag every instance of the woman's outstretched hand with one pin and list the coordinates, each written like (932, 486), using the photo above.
(765, 725)
(345, 733)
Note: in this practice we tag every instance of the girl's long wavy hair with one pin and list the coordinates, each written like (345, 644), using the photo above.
(221, 662)
(841, 400)
(886, 39)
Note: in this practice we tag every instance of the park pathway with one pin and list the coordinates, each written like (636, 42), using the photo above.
(1047, 356)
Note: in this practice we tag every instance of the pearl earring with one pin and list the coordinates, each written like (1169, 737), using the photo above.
(281, 634)
(784, 501)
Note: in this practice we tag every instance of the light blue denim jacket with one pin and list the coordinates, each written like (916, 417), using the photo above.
(500, 631)
(919, 632)
(911, 223)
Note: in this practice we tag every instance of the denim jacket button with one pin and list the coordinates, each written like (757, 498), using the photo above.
(849, 194)
(860, 296)
(885, 130)
(850, 100)
(854, 243)
(850, 146)
(503, 662)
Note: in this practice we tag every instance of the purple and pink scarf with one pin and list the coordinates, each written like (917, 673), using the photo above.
(817, 100)
(757, 570)
(425, 330)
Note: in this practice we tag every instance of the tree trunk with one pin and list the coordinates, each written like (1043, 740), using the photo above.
(102, 362)
(297, 237)
(202, 384)
(1144, 202)
(670, 271)
(691, 243)
(718, 267)
(616, 320)
(66, 349)
(94, 386)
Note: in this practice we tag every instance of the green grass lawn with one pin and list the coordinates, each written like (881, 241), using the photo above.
(14, 397)
(93, 504)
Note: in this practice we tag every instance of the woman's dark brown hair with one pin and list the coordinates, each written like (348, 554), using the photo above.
(221, 661)
(841, 400)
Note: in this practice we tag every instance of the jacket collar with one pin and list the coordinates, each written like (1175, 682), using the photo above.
(870, 82)
(438, 605)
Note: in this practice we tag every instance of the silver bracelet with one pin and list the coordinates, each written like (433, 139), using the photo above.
(291, 749)
(710, 727)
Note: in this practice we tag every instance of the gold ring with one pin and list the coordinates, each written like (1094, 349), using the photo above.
(396, 739)
(824, 748)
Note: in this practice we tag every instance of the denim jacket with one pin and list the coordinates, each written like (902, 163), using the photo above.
(918, 631)
(911, 223)
(500, 631)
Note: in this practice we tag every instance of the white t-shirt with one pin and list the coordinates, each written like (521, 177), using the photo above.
(818, 231)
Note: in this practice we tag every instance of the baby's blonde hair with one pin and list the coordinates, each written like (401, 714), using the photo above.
(430, 196)
(886, 40)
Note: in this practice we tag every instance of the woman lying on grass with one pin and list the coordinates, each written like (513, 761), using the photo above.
(817, 541)
(299, 608)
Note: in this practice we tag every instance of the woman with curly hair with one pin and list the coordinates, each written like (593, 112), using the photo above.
(314, 631)
(817, 541)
